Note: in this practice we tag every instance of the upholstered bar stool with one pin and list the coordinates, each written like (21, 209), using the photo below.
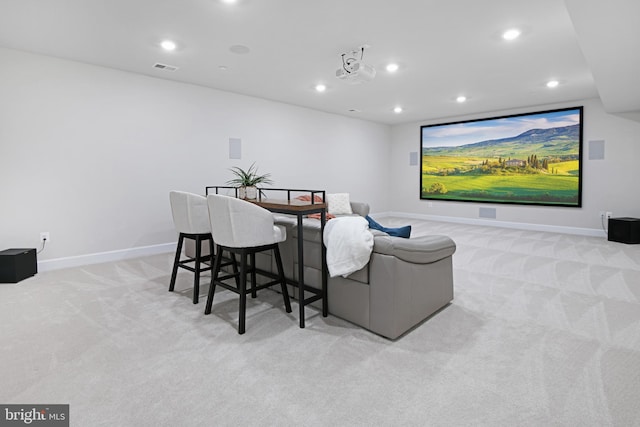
(191, 220)
(243, 228)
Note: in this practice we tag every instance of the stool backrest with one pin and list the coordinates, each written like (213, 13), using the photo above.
(190, 212)
(236, 223)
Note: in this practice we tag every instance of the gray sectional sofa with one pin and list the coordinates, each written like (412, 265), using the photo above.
(405, 281)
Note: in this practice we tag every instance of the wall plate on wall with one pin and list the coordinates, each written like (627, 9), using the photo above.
(488, 213)
(596, 150)
(413, 158)
(235, 148)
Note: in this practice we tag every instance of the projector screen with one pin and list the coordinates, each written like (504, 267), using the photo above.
(528, 159)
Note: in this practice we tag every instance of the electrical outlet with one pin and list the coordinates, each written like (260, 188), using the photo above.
(45, 236)
(604, 215)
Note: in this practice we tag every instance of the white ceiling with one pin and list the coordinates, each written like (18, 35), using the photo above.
(444, 49)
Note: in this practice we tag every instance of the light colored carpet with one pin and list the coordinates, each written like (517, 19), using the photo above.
(544, 331)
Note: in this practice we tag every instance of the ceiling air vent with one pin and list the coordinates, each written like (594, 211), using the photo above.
(165, 67)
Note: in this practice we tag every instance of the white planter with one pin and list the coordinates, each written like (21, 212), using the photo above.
(250, 193)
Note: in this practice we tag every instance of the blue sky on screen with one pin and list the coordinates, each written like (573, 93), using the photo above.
(451, 135)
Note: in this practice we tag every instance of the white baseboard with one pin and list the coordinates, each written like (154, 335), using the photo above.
(117, 255)
(592, 232)
(76, 261)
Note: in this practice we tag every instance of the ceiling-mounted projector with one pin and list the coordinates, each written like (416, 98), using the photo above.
(353, 70)
(358, 73)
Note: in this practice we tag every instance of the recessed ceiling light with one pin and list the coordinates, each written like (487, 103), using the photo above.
(223, 67)
(320, 87)
(552, 83)
(229, 1)
(392, 68)
(168, 45)
(397, 110)
(461, 99)
(511, 34)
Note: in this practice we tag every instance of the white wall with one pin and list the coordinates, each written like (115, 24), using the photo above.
(608, 185)
(90, 154)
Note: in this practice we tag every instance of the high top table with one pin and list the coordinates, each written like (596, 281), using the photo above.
(300, 209)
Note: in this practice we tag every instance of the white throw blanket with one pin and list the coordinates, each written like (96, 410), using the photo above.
(349, 244)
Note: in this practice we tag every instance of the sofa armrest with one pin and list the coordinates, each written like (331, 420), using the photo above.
(409, 280)
(417, 250)
(359, 208)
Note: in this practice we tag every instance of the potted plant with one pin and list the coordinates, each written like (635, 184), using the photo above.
(247, 181)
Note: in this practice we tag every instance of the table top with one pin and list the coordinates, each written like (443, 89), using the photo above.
(290, 206)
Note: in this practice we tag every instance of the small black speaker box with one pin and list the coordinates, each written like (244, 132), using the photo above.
(624, 230)
(17, 264)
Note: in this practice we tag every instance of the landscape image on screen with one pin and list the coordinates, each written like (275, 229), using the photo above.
(524, 159)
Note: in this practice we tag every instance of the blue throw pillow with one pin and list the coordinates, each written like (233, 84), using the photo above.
(404, 232)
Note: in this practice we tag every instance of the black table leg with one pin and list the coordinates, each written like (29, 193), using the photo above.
(323, 266)
(301, 270)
